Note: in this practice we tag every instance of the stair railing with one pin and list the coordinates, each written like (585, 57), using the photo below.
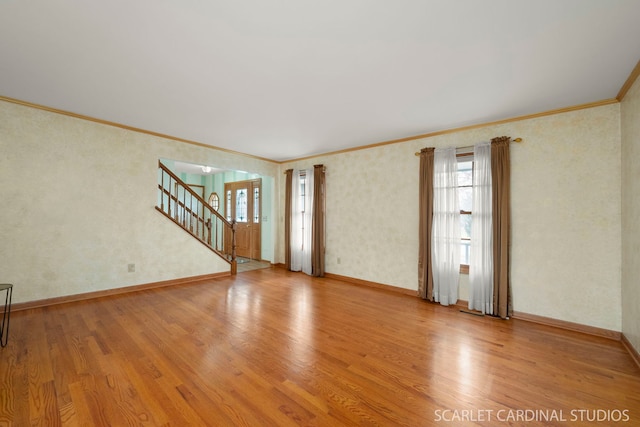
(178, 202)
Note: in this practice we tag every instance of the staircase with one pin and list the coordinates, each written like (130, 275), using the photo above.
(178, 202)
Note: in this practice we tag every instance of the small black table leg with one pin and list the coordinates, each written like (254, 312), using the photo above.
(6, 314)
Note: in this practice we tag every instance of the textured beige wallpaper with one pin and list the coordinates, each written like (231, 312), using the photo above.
(78, 206)
(566, 213)
(630, 113)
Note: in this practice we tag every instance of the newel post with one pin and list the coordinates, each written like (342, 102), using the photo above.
(234, 263)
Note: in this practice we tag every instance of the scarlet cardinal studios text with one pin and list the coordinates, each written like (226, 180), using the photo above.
(532, 415)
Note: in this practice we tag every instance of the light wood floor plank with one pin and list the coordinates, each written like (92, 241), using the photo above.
(271, 347)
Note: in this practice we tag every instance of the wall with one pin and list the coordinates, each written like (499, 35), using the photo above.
(566, 257)
(630, 119)
(78, 205)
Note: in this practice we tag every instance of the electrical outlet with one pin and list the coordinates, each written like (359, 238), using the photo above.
(338, 260)
(131, 268)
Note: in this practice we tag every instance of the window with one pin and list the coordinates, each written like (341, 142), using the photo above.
(241, 205)
(301, 205)
(301, 210)
(214, 201)
(228, 206)
(465, 200)
(256, 205)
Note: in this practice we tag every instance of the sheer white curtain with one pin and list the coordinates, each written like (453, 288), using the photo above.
(481, 257)
(301, 214)
(445, 240)
(296, 223)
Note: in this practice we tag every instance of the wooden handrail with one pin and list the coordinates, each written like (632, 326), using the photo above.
(193, 193)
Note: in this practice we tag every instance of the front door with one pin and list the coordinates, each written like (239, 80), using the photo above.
(243, 202)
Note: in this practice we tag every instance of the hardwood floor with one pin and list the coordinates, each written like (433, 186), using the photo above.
(270, 347)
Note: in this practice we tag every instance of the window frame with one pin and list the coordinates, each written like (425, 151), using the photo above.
(466, 157)
(214, 201)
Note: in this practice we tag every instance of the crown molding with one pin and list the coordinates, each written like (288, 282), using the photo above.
(630, 81)
(463, 128)
(130, 128)
(346, 150)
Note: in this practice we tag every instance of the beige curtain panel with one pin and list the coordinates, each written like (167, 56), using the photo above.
(425, 270)
(318, 222)
(501, 181)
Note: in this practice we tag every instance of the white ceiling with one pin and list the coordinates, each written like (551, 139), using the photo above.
(284, 79)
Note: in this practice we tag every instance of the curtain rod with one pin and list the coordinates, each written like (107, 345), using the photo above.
(471, 146)
(324, 168)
